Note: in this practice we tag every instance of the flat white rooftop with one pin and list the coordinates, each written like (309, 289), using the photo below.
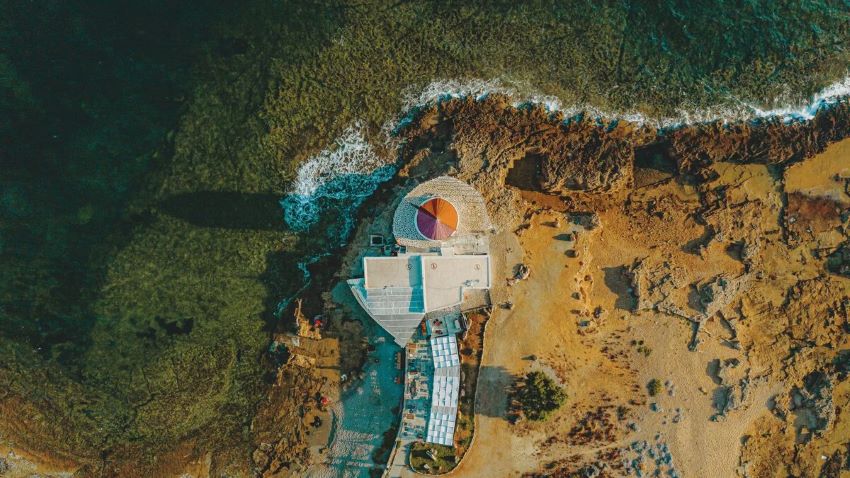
(431, 282)
(397, 271)
(445, 277)
(433, 275)
(398, 290)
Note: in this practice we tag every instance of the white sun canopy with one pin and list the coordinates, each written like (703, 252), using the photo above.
(445, 391)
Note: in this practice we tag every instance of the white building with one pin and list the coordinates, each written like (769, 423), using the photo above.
(443, 226)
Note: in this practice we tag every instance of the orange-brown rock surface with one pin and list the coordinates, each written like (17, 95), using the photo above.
(715, 262)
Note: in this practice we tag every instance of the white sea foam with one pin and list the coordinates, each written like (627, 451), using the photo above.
(337, 179)
(829, 96)
(734, 110)
(441, 90)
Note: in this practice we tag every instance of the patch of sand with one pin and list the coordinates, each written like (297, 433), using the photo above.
(675, 226)
(823, 175)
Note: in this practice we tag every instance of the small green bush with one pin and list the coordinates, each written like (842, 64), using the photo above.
(654, 387)
(539, 396)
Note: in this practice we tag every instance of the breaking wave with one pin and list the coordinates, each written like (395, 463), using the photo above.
(829, 96)
(734, 110)
(336, 181)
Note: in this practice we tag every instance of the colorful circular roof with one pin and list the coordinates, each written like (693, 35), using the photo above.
(436, 219)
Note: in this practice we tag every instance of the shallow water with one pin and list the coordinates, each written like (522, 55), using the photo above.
(365, 412)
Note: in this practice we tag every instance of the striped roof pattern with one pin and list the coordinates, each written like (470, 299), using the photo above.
(436, 219)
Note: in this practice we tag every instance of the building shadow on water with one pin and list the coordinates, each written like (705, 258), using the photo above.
(226, 210)
(282, 279)
(494, 386)
(247, 212)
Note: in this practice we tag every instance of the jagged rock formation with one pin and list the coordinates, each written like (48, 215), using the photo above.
(721, 291)
(653, 286)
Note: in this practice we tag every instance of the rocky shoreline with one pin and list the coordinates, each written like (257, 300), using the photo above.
(589, 166)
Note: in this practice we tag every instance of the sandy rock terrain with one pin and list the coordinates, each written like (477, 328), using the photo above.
(708, 258)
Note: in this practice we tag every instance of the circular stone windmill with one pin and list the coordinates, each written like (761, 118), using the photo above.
(440, 212)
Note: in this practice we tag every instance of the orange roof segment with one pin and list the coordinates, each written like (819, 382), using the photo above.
(444, 212)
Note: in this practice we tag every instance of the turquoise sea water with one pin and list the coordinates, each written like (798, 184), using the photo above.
(365, 411)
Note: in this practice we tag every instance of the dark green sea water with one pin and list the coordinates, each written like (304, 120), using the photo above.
(144, 146)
